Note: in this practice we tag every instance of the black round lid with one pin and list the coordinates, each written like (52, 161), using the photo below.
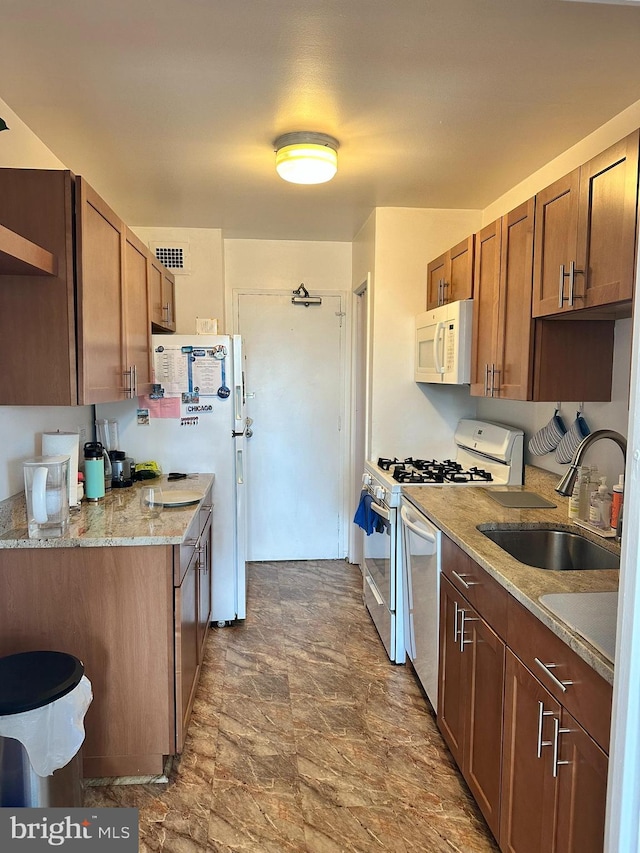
(31, 680)
(93, 450)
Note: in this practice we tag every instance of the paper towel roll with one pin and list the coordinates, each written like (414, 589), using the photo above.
(64, 444)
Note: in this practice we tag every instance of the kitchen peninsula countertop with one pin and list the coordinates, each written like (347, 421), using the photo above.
(457, 511)
(116, 520)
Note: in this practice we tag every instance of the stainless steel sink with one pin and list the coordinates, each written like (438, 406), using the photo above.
(549, 548)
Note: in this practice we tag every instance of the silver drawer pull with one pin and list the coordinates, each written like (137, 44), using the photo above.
(541, 714)
(456, 613)
(557, 731)
(466, 584)
(464, 619)
(547, 667)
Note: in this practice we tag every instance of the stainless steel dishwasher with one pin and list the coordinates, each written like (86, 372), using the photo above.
(421, 570)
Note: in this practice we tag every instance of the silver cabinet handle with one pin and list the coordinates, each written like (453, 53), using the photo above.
(572, 281)
(557, 731)
(486, 379)
(465, 583)
(134, 370)
(440, 293)
(444, 284)
(464, 619)
(547, 667)
(165, 308)
(541, 715)
(563, 275)
(128, 390)
(493, 380)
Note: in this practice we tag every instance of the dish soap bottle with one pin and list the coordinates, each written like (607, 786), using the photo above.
(589, 485)
(574, 500)
(600, 506)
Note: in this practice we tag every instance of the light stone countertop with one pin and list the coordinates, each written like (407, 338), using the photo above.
(457, 511)
(113, 521)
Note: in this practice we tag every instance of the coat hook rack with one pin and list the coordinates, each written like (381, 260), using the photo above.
(301, 296)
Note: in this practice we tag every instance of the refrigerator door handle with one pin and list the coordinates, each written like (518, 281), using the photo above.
(239, 467)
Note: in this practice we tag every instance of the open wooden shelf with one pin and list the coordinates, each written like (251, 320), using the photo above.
(19, 256)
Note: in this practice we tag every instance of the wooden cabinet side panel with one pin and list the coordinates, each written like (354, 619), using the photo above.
(514, 342)
(100, 271)
(527, 822)
(556, 227)
(582, 791)
(112, 608)
(37, 313)
(607, 225)
(486, 287)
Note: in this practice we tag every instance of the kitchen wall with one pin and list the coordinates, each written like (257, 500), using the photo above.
(395, 246)
(199, 293)
(21, 427)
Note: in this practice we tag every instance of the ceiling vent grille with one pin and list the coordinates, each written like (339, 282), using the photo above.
(175, 256)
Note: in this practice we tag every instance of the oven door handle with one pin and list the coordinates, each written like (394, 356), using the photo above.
(419, 529)
(380, 510)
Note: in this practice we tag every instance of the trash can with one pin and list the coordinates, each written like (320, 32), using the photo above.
(44, 696)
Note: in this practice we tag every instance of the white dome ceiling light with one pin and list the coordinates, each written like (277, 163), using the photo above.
(304, 157)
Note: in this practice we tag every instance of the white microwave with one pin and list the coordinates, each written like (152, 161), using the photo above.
(443, 344)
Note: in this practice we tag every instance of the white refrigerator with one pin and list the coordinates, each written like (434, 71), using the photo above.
(197, 424)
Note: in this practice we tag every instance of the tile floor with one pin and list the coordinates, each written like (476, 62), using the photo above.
(304, 738)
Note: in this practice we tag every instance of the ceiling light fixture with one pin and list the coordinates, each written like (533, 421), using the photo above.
(304, 157)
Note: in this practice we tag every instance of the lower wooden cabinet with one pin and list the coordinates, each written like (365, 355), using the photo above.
(470, 698)
(554, 780)
(526, 720)
(137, 616)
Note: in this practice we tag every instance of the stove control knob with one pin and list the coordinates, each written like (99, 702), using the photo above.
(380, 493)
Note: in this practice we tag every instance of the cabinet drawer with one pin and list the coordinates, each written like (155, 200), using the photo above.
(588, 697)
(477, 586)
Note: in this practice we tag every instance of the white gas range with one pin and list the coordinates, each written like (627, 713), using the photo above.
(487, 454)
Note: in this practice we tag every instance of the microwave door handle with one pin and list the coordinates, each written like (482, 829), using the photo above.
(436, 342)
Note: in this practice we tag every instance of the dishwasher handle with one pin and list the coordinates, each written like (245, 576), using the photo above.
(422, 529)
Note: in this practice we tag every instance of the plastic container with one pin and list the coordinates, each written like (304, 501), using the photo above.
(94, 471)
(43, 702)
(574, 500)
(616, 501)
(589, 485)
(600, 506)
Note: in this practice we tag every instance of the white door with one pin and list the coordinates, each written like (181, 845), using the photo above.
(295, 394)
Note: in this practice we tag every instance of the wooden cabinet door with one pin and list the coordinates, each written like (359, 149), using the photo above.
(460, 282)
(485, 307)
(100, 270)
(555, 243)
(437, 272)
(582, 790)
(485, 654)
(136, 316)
(527, 821)
(186, 640)
(514, 339)
(607, 225)
(451, 672)
(169, 299)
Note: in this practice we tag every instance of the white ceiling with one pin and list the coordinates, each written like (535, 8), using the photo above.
(169, 108)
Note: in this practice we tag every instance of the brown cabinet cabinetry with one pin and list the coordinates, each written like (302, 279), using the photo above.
(74, 302)
(136, 619)
(526, 719)
(585, 234)
(470, 697)
(450, 276)
(554, 775)
(162, 297)
(514, 356)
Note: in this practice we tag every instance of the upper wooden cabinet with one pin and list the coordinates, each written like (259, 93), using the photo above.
(515, 357)
(585, 234)
(162, 297)
(450, 276)
(80, 333)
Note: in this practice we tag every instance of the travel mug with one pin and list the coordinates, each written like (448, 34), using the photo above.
(93, 471)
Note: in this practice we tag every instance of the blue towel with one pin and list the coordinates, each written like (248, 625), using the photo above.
(366, 517)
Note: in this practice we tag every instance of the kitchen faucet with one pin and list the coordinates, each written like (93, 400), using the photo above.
(565, 486)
